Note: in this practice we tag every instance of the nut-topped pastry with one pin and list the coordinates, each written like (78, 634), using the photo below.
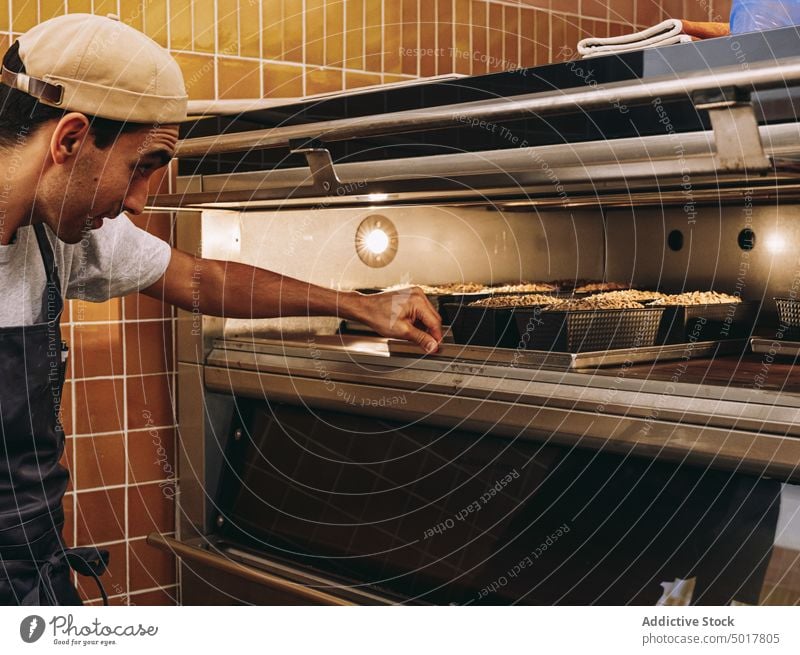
(698, 298)
(630, 294)
(527, 300)
(525, 287)
(594, 303)
(591, 287)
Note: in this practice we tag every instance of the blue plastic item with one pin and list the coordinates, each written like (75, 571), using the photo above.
(756, 15)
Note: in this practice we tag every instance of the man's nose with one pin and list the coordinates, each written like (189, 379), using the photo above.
(136, 197)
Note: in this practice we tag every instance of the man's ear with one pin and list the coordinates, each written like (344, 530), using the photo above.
(69, 135)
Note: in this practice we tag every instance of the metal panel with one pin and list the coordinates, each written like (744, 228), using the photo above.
(711, 257)
(569, 361)
(761, 453)
(549, 164)
(191, 517)
(776, 347)
(772, 75)
(436, 244)
(203, 423)
(666, 400)
(367, 360)
(189, 340)
(562, 174)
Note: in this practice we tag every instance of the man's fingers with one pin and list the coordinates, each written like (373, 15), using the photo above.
(422, 339)
(431, 319)
(424, 311)
(408, 307)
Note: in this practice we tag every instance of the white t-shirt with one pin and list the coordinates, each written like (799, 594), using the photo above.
(117, 259)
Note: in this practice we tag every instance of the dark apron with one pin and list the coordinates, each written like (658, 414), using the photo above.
(35, 564)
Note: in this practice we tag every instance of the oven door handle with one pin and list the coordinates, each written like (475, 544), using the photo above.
(201, 556)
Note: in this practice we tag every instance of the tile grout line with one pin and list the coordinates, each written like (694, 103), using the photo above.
(168, 12)
(364, 35)
(129, 321)
(86, 435)
(125, 445)
(503, 54)
(419, 38)
(74, 446)
(116, 378)
(453, 36)
(262, 89)
(472, 36)
(520, 63)
(435, 40)
(174, 437)
(303, 54)
(139, 592)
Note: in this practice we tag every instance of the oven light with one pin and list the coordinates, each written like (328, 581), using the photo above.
(775, 243)
(377, 241)
(377, 197)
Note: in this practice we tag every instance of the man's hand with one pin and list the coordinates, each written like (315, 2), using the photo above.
(405, 314)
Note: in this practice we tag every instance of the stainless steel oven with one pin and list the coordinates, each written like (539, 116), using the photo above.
(321, 465)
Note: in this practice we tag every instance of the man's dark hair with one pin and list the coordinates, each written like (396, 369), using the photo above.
(24, 114)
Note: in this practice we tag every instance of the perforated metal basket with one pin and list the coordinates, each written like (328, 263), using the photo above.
(588, 330)
(789, 316)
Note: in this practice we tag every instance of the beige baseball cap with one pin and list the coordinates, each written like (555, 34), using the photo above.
(97, 65)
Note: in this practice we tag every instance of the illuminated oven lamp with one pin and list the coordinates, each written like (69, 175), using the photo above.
(775, 243)
(376, 241)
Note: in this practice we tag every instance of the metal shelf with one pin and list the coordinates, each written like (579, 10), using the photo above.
(714, 424)
(735, 155)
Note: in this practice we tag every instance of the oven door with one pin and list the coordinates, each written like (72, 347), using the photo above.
(422, 514)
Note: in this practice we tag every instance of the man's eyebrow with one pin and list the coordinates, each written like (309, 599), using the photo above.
(162, 155)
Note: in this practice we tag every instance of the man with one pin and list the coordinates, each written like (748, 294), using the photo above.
(88, 112)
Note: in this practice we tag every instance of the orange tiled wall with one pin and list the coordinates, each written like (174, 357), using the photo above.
(118, 399)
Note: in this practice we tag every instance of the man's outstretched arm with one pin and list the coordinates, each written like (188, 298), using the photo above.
(233, 290)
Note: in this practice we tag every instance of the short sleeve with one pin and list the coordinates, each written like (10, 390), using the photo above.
(115, 260)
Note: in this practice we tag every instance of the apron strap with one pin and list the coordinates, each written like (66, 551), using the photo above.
(88, 561)
(50, 311)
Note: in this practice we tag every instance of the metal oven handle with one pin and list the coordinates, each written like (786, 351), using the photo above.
(253, 574)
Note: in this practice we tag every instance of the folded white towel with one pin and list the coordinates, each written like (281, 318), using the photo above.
(665, 33)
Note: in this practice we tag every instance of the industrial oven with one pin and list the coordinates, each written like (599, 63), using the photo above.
(321, 464)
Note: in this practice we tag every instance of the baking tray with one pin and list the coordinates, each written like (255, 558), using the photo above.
(441, 300)
(494, 327)
(356, 327)
(543, 359)
(588, 330)
(780, 347)
(449, 304)
(722, 321)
